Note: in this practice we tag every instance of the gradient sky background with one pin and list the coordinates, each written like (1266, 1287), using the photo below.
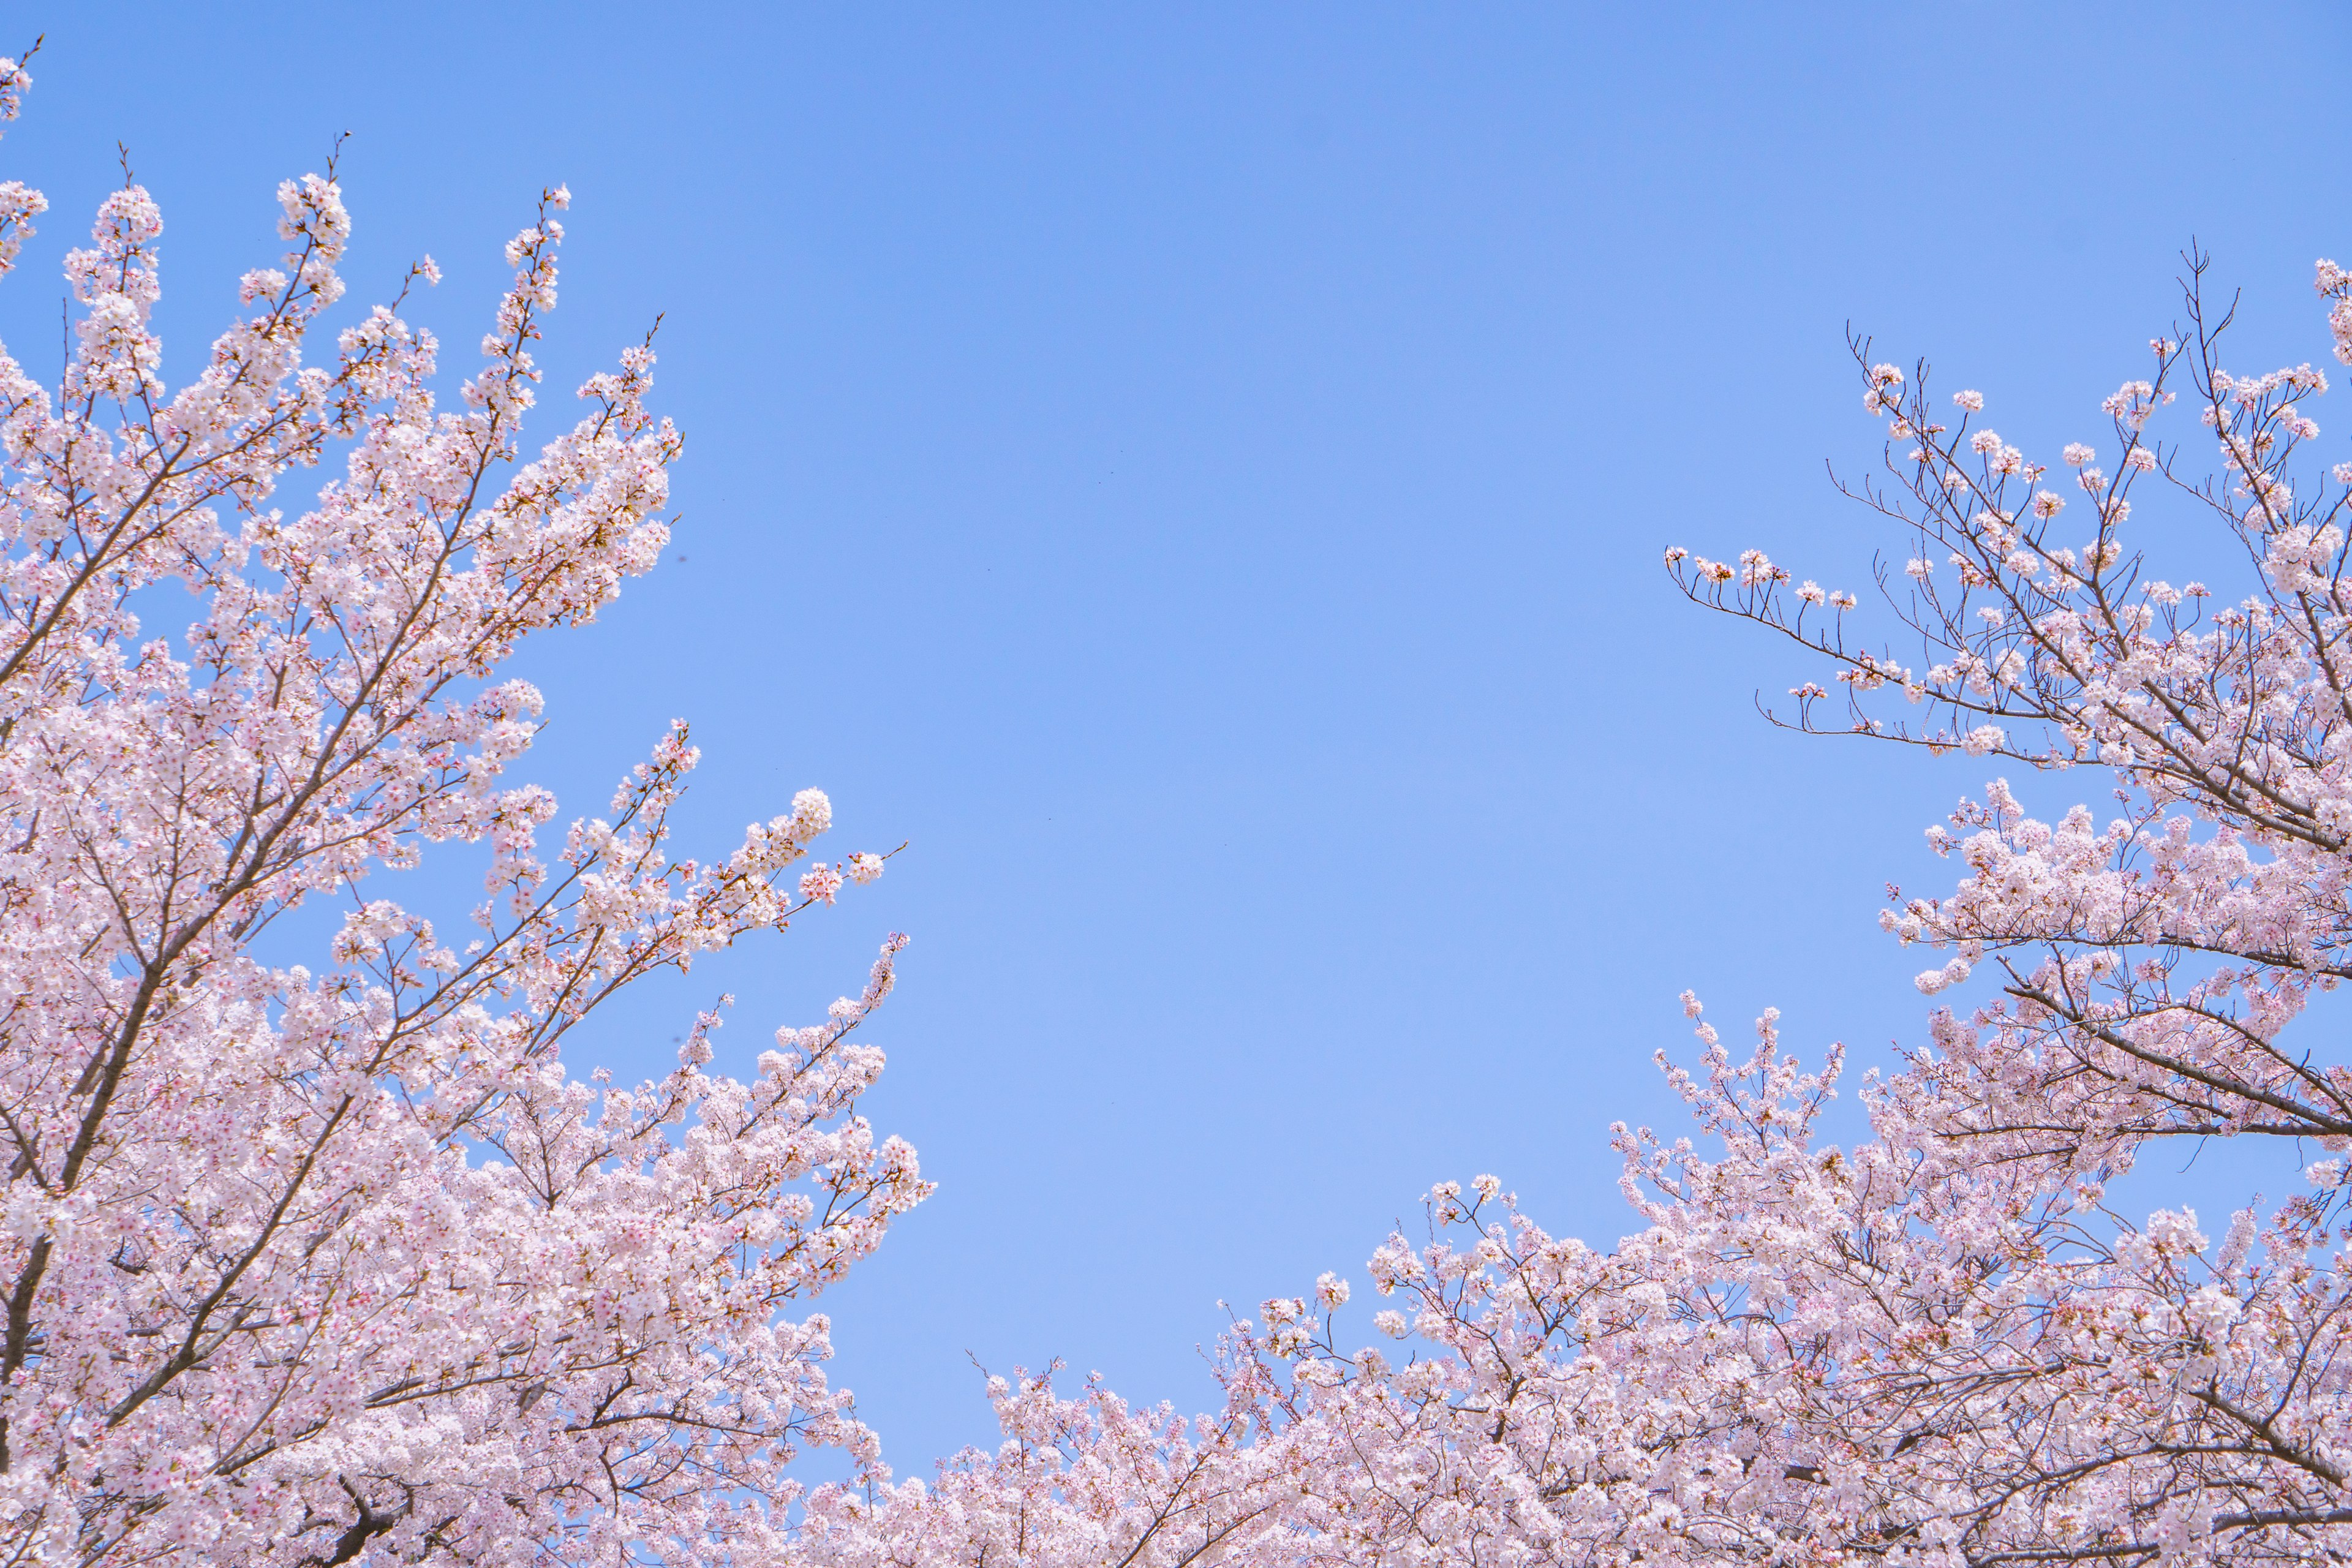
(1199, 475)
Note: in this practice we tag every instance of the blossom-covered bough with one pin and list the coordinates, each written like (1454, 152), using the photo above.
(1944, 1345)
(311, 1266)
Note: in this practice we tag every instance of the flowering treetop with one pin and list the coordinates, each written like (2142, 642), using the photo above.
(318, 1265)
(1944, 1345)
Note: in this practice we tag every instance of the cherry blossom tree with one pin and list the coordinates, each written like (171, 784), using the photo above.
(337, 1263)
(1946, 1344)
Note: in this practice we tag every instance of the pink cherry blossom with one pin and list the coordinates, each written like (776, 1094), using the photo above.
(334, 1264)
(1941, 1346)
(331, 1264)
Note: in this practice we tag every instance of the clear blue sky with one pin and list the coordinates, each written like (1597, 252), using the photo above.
(1199, 474)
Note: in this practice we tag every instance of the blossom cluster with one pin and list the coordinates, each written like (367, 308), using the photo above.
(1945, 1344)
(335, 1264)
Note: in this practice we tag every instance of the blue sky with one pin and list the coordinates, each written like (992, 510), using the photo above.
(1199, 476)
